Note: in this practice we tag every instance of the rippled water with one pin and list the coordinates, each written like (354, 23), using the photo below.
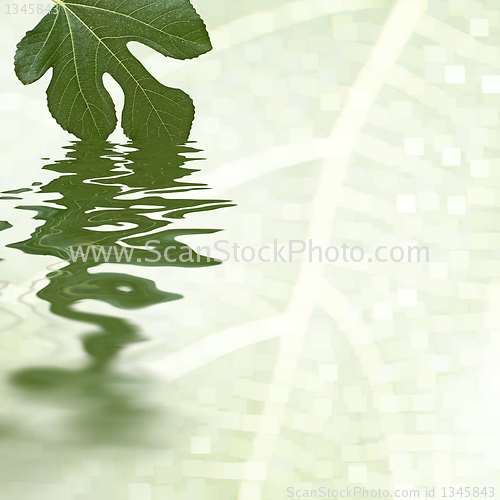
(107, 195)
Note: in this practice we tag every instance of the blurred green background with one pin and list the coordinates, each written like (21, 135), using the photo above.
(364, 121)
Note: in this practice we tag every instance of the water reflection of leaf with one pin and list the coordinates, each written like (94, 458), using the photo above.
(118, 189)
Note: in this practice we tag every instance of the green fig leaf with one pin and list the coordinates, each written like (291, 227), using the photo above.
(84, 39)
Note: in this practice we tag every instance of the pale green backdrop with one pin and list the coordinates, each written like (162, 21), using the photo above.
(368, 122)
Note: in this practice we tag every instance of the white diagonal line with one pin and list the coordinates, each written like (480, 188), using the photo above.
(217, 345)
(462, 43)
(395, 34)
(258, 24)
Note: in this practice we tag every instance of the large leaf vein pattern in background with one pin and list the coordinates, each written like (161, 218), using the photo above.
(84, 39)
